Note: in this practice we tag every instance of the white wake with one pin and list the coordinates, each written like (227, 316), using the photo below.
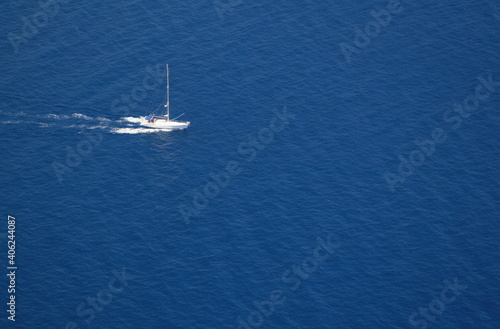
(124, 125)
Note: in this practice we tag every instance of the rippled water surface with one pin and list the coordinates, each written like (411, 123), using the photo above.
(340, 169)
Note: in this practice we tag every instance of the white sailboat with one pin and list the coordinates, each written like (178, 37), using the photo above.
(163, 121)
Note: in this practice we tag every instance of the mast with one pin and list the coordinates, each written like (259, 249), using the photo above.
(168, 97)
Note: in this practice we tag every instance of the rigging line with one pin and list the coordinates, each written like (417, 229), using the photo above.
(177, 117)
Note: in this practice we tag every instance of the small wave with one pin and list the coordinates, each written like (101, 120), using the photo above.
(53, 116)
(86, 127)
(132, 119)
(98, 127)
(77, 116)
(81, 116)
(11, 122)
(8, 122)
(76, 126)
(17, 114)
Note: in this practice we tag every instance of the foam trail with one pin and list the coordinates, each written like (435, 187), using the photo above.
(87, 127)
(132, 119)
(41, 124)
(82, 116)
(77, 116)
(125, 125)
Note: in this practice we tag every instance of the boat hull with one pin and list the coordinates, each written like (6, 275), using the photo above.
(164, 124)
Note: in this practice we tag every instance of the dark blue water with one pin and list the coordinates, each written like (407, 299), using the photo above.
(340, 171)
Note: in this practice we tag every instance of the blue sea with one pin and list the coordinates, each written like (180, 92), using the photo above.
(341, 168)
